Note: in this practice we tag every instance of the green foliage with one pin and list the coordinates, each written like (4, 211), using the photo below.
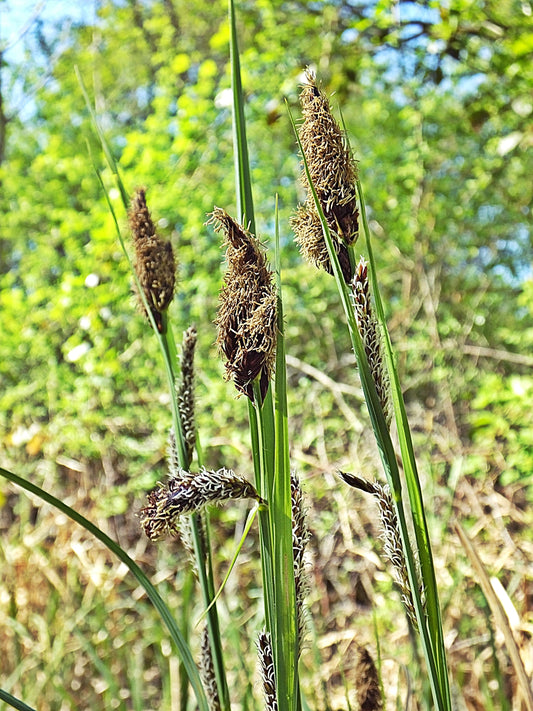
(440, 125)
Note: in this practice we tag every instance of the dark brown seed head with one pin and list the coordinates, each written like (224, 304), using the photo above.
(247, 316)
(154, 259)
(367, 685)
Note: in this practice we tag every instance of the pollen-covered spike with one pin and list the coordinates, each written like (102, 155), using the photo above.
(333, 174)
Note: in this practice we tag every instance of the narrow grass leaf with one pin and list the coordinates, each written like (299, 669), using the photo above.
(500, 617)
(158, 602)
(243, 181)
(247, 527)
(14, 702)
(103, 141)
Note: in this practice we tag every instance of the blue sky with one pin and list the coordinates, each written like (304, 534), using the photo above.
(16, 16)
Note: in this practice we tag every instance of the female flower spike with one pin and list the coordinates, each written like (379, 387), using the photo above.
(155, 265)
(247, 315)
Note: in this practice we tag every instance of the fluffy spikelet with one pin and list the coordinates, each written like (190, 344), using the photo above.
(300, 539)
(154, 259)
(331, 166)
(266, 666)
(310, 238)
(247, 316)
(392, 541)
(186, 390)
(367, 686)
(333, 174)
(207, 672)
(187, 492)
(371, 337)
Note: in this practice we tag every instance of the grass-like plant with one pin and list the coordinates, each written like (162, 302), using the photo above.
(250, 326)
(333, 187)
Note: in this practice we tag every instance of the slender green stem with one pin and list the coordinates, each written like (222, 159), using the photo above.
(265, 540)
(263, 486)
(243, 179)
(281, 509)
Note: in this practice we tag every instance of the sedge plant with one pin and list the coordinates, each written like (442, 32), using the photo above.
(250, 338)
(331, 216)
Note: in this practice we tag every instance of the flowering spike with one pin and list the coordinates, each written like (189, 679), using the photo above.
(154, 260)
(333, 174)
(187, 492)
(371, 337)
(300, 538)
(207, 672)
(247, 315)
(268, 675)
(392, 541)
(185, 391)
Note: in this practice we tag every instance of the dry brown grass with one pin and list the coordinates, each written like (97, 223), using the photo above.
(59, 587)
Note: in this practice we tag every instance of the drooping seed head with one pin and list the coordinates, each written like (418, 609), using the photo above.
(247, 316)
(391, 536)
(187, 492)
